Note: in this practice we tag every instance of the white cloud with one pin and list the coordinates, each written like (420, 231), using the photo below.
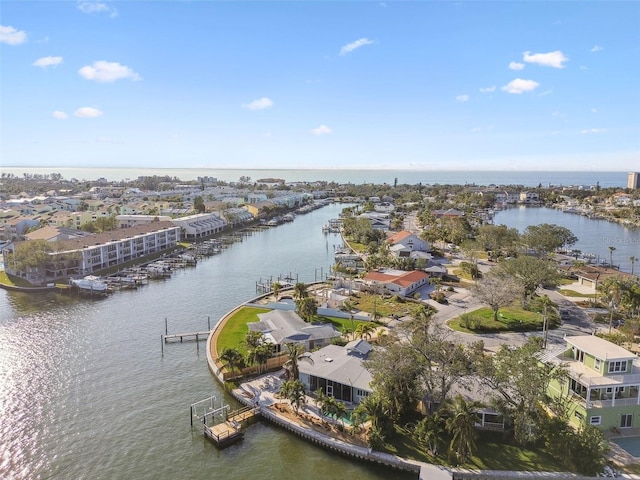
(516, 66)
(554, 59)
(594, 110)
(89, 7)
(105, 72)
(519, 86)
(597, 48)
(593, 130)
(45, 62)
(11, 36)
(462, 98)
(58, 115)
(488, 89)
(259, 104)
(350, 47)
(87, 112)
(321, 130)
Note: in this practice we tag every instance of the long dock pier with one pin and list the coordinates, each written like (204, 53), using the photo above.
(219, 424)
(197, 336)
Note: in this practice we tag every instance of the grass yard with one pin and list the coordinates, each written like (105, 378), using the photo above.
(509, 320)
(385, 307)
(341, 323)
(234, 331)
(13, 281)
(492, 453)
(572, 293)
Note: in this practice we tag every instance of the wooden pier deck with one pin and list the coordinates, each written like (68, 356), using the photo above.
(197, 336)
(230, 431)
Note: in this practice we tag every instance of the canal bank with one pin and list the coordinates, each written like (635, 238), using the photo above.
(88, 393)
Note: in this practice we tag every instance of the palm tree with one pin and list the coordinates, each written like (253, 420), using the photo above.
(293, 390)
(611, 250)
(294, 350)
(430, 431)
(340, 411)
(546, 302)
(460, 419)
(365, 330)
(374, 407)
(231, 358)
(300, 291)
(276, 287)
(348, 306)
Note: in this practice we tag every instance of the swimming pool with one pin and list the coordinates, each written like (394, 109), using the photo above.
(630, 444)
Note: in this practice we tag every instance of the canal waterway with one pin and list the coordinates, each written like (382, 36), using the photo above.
(86, 393)
(595, 236)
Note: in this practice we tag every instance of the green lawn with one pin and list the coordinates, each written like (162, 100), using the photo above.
(386, 307)
(13, 281)
(235, 330)
(340, 323)
(492, 453)
(572, 293)
(509, 320)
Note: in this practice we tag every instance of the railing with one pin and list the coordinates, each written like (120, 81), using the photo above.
(619, 402)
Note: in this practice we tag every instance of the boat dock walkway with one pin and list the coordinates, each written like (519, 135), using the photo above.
(230, 431)
(197, 336)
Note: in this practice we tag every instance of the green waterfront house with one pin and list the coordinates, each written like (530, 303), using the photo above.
(603, 383)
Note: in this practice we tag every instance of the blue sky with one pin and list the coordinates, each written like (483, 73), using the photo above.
(429, 85)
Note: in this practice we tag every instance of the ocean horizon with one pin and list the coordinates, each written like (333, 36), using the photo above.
(586, 179)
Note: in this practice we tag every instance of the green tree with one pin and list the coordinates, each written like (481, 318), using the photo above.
(497, 291)
(460, 418)
(531, 272)
(348, 306)
(430, 431)
(293, 390)
(198, 204)
(307, 308)
(498, 239)
(365, 330)
(519, 386)
(232, 359)
(300, 291)
(275, 288)
(547, 238)
(294, 350)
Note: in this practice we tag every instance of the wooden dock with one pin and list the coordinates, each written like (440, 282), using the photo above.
(197, 336)
(230, 431)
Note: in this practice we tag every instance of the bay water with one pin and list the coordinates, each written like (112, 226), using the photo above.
(595, 236)
(86, 393)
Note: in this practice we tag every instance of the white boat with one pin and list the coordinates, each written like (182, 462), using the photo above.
(91, 283)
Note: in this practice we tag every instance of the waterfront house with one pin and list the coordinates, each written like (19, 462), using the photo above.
(396, 282)
(338, 371)
(603, 382)
(280, 327)
(403, 243)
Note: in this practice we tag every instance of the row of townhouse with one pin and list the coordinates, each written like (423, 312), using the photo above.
(85, 255)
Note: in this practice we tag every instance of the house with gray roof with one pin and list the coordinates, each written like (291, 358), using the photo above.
(338, 371)
(280, 327)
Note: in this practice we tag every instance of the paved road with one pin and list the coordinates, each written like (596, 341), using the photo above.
(462, 301)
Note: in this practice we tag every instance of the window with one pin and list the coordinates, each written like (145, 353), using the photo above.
(626, 420)
(618, 366)
(579, 415)
(596, 364)
(595, 420)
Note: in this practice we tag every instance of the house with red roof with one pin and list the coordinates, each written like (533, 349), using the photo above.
(396, 282)
(403, 243)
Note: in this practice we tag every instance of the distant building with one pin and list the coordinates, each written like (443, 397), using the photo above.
(633, 180)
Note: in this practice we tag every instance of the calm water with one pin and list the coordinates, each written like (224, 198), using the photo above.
(379, 177)
(86, 394)
(594, 236)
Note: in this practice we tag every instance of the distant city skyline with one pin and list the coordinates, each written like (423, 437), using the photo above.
(432, 85)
